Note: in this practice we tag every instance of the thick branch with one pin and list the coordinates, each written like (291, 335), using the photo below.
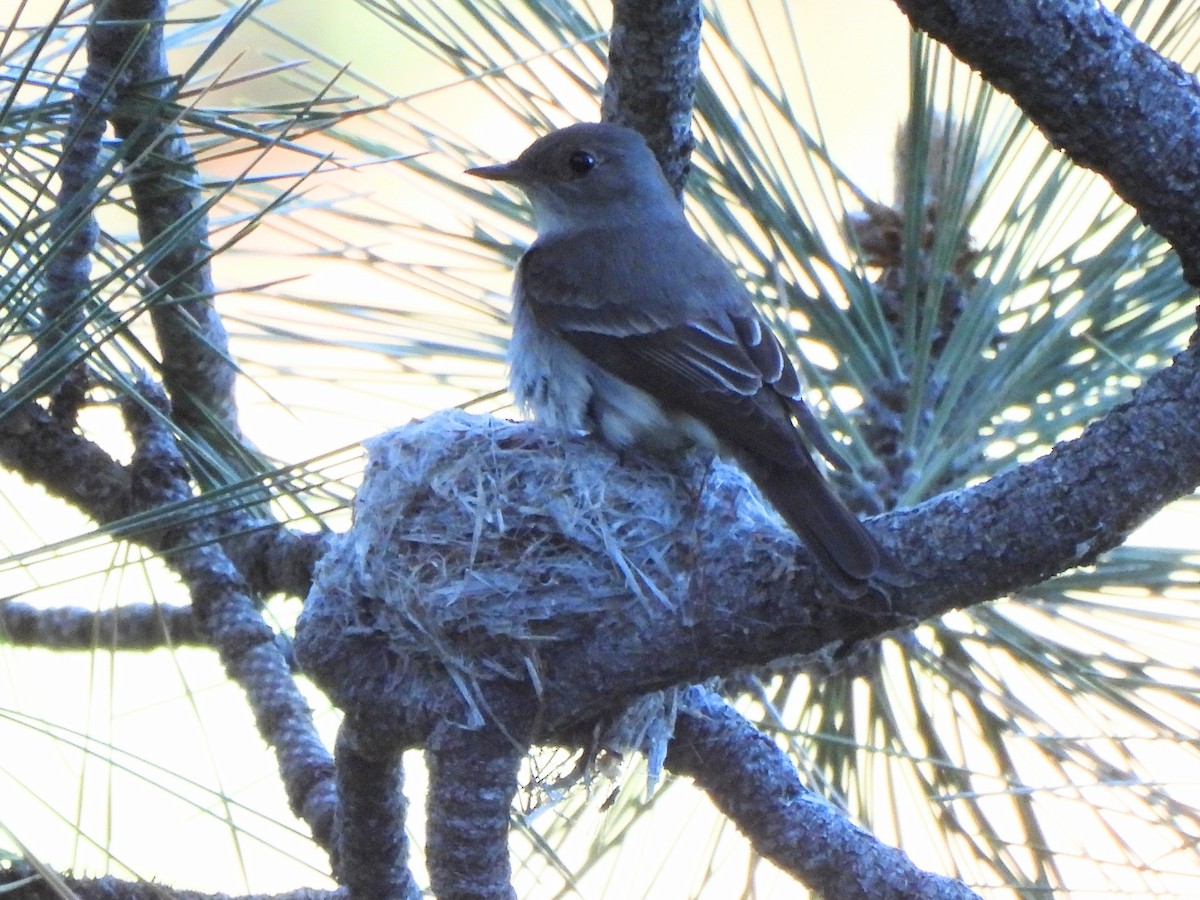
(226, 611)
(139, 627)
(1096, 91)
(27, 883)
(196, 368)
(372, 847)
(472, 781)
(752, 781)
(653, 64)
(46, 450)
(961, 548)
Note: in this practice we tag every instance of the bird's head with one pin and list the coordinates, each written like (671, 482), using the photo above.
(588, 175)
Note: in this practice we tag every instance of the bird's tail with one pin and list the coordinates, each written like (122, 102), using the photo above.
(843, 547)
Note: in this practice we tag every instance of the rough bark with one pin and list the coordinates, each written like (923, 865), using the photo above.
(653, 63)
(753, 782)
(197, 370)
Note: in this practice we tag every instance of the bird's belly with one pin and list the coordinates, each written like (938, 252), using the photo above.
(627, 417)
(547, 376)
(561, 388)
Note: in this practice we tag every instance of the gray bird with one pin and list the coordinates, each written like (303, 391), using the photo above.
(626, 323)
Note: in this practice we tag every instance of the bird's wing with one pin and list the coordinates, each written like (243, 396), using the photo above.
(703, 351)
(708, 354)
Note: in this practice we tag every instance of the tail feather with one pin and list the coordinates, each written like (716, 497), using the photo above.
(839, 541)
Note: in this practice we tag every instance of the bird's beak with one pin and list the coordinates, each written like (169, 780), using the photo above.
(500, 172)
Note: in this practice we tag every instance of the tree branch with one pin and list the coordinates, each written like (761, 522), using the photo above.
(1096, 91)
(73, 230)
(273, 559)
(227, 614)
(139, 627)
(23, 881)
(752, 781)
(46, 450)
(472, 781)
(653, 64)
(196, 367)
(372, 847)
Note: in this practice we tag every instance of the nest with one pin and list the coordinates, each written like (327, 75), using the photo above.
(476, 542)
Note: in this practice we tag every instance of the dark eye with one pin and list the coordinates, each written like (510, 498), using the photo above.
(581, 162)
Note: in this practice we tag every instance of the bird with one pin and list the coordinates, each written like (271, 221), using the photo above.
(627, 324)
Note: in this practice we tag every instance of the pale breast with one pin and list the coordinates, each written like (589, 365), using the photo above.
(557, 385)
(547, 376)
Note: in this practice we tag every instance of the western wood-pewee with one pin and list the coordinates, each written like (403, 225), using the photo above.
(626, 323)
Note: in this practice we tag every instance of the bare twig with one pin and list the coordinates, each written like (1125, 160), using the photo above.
(73, 230)
(46, 450)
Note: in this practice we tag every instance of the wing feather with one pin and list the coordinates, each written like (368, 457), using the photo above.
(705, 352)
